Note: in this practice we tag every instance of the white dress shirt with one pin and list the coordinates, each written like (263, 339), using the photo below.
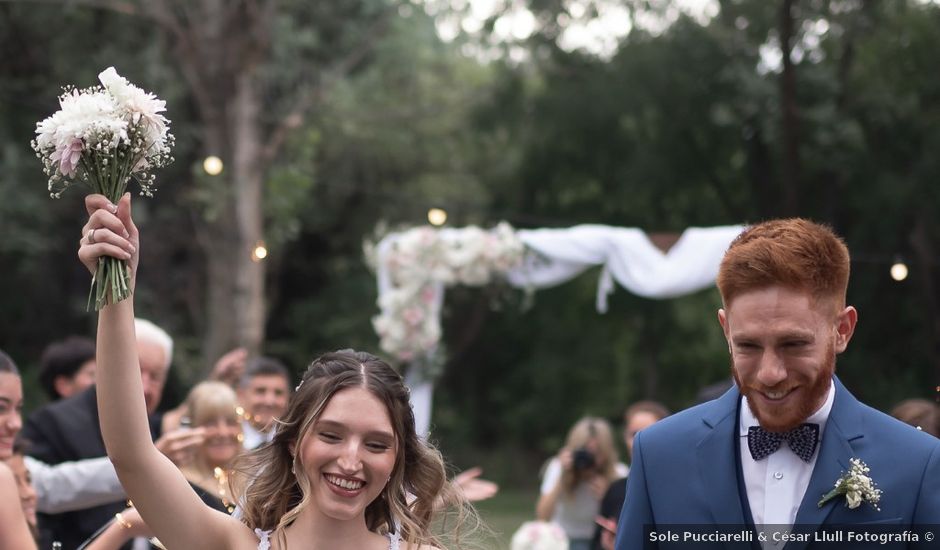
(255, 438)
(74, 485)
(776, 484)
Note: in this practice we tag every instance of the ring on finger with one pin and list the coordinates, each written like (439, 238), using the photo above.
(91, 236)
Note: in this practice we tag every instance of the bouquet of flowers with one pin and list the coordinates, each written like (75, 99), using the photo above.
(101, 137)
(539, 535)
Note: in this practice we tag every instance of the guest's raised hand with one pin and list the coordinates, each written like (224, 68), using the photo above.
(181, 444)
(473, 487)
(110, 231)
(230, 367)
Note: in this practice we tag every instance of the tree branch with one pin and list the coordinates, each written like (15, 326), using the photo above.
(313, 93)
(119, 6)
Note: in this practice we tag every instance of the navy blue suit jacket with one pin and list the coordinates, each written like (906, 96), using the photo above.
(686, 470)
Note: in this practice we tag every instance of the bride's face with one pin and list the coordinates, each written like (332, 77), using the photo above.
(349, 454)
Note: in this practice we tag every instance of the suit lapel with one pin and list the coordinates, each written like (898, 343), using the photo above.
(835, 450)
(718, 474)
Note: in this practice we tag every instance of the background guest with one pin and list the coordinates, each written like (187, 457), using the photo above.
(920, 413)
(67, 367)
(263, 393)
(211, 406)
(24, 485)
(68, 430)
(577, 478)
(14, 526)
(637, 417)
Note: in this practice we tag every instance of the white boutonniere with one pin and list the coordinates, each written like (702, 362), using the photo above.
(856, 485)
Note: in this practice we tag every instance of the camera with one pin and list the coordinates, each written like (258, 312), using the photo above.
(582, 459)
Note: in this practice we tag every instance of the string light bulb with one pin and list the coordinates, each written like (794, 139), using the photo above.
(259, 252)
(212, 165)
(437, 216)
(899, 270)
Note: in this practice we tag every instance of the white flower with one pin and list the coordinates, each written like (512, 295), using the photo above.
(138, 103)
(856, 485)
(853, 499)
(90, 117)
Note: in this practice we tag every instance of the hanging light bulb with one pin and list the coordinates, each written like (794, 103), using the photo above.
(899, 270)
(212, 165)
(437, 216)
(259, 252)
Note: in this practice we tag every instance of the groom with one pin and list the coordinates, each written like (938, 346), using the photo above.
(766, 452)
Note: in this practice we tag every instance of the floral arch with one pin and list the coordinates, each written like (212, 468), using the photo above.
(414, 267)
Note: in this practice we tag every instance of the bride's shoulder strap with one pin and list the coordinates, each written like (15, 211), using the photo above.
(264, 542)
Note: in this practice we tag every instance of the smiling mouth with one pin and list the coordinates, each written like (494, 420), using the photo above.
(343, 483)
(776, 395)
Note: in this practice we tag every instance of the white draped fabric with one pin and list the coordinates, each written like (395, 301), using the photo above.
(625, 255)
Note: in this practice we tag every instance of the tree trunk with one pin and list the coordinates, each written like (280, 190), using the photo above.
(791, 131)
(235, 304)
(248, 175)
(924, 252)
(220, 66)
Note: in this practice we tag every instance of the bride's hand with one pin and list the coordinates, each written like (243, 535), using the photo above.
(110, 231)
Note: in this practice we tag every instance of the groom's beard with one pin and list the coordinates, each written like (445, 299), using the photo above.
(810, 396)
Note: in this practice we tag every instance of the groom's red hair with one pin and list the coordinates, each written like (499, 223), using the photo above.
(794, 253)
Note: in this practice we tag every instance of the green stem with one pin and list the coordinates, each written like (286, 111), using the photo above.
(829, 496)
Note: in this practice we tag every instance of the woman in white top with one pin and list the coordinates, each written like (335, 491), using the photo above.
(346, 470)
(576, 479)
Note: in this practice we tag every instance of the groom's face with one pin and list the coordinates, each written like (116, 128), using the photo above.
(783, 345)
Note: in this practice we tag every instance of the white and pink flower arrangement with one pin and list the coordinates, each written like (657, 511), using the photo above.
(418, 264)
(102, 137)
(539, 535)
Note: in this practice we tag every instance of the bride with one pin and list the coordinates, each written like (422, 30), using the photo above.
(346, 470)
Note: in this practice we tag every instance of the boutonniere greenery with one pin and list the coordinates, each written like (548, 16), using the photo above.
(856, 485)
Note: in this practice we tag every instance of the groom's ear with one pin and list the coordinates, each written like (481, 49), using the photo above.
(845, 327)
(723, 321)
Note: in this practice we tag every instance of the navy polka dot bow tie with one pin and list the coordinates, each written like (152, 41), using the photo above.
(801, 439)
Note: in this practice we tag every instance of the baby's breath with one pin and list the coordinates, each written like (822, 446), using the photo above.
(856, 485)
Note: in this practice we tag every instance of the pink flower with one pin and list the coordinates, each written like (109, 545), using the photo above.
(68, 156)
(413, 316)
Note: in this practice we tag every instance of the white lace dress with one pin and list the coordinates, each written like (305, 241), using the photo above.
(264, 540)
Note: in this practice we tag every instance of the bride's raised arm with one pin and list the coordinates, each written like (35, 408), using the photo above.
(157, 488)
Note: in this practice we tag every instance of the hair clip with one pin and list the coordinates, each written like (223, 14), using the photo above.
(298, 386)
